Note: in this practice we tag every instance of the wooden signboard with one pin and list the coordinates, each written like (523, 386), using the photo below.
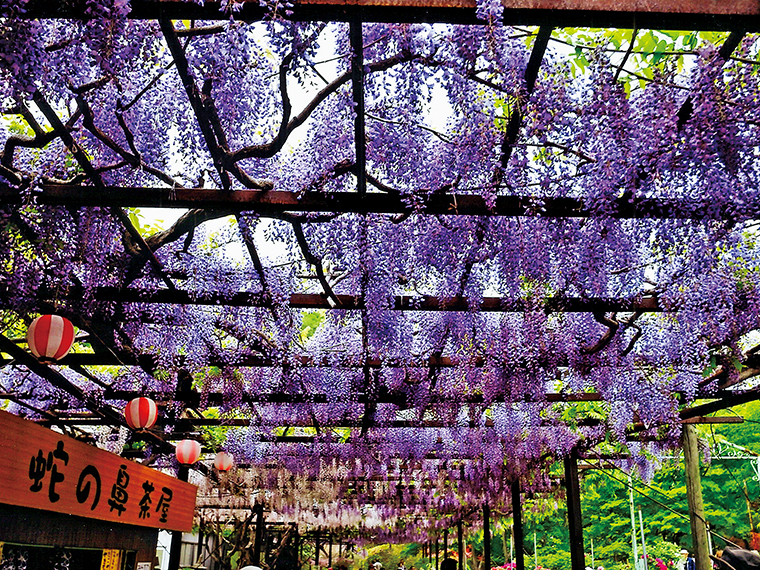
(45, 470)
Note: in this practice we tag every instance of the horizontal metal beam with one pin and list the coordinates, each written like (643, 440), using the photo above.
(661, 14)
(272, 202)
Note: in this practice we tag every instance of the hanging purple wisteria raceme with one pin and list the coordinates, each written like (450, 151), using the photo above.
(642, 292)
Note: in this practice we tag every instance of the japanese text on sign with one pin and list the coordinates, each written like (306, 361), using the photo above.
(65, 475)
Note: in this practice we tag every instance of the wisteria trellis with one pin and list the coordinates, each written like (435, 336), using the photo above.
(611, 253)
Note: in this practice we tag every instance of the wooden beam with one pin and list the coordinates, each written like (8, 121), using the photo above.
(274, 202)
(656, 14)
(645, 303)
(726, 400)
(386, 397)
(714, 420)
(574, 515)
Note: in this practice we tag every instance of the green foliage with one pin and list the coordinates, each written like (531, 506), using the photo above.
(146, 227)
(654, 53)
(310, 324)
(410, 550)
(17, 125)
(664, 550)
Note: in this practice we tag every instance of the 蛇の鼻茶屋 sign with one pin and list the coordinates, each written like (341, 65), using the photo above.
(42, 469)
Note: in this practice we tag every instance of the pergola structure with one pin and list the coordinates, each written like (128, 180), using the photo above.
(494, 249)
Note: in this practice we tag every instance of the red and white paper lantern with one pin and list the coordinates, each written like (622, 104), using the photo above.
(141, 413)
(188, 451)
(50, 337)
(223, 461)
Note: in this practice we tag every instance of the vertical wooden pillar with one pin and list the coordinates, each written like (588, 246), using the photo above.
(436, 552)
(200, 545)
(329, 552)
(176, 545)
(694, 498)
(258, 544)
(357, 86)
(486, 537)
(445, 543)
(317, 546)
(460, 544)
(574, 519)
(517, 527)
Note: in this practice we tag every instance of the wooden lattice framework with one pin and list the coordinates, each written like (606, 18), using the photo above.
(736, 16)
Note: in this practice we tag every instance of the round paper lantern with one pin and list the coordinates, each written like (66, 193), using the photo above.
(141, 413)
(188, 451)
(50, 337)
(223, 461)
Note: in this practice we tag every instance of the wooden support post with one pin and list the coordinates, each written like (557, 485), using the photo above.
(486, 537)
(258, 544)
(357, 86)
(445, 543)
(200, 545)
(694, 498)
(517, 527)
(574, 518)
(436, 552)
(460, 544)
(317, 546)
(329, 551)
(176, 544)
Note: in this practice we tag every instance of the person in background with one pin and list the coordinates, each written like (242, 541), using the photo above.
(685, 562)
(449, 564)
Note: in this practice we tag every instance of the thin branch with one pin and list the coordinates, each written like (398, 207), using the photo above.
(631, 322)
(90, 86)
(147, 88)
(270, 149)
(627, 54)
(40, 140)
(201, 31)
(487, 83)
(133, 158)
(196, 100)
(316, 262)
(587, 159)
(60, 130)
(418, 125)
(655, 81)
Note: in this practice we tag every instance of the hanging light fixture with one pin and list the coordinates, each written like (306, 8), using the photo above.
(188, 451)
(223, 461)
(141, 413)
(50, 337)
